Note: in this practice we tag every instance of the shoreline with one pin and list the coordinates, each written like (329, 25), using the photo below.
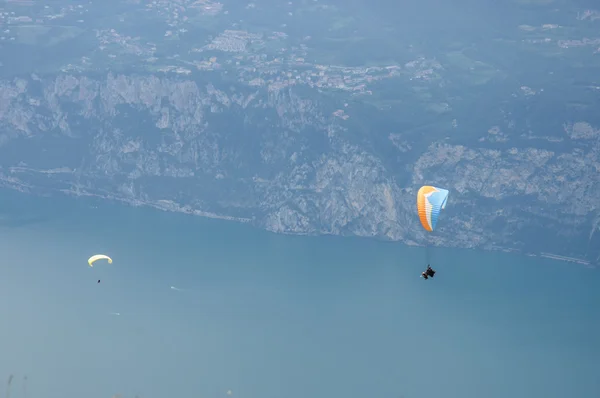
(171, 206)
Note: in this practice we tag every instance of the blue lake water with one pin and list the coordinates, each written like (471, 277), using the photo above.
(271, 316)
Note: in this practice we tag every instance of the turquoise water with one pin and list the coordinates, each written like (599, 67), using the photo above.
(269, 316)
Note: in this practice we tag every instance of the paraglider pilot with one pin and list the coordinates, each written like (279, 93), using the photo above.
(429, 272)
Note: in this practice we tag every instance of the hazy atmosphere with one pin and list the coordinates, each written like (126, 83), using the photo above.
(270, 179)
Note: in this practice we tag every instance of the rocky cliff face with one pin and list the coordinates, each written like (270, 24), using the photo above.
(287, 161)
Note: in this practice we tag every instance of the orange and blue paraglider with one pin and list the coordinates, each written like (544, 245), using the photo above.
(430, 201)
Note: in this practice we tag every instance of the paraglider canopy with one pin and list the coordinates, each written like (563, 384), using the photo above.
(430, 201)
(97, 257)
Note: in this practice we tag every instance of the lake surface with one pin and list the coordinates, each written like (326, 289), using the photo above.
(271, 316)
